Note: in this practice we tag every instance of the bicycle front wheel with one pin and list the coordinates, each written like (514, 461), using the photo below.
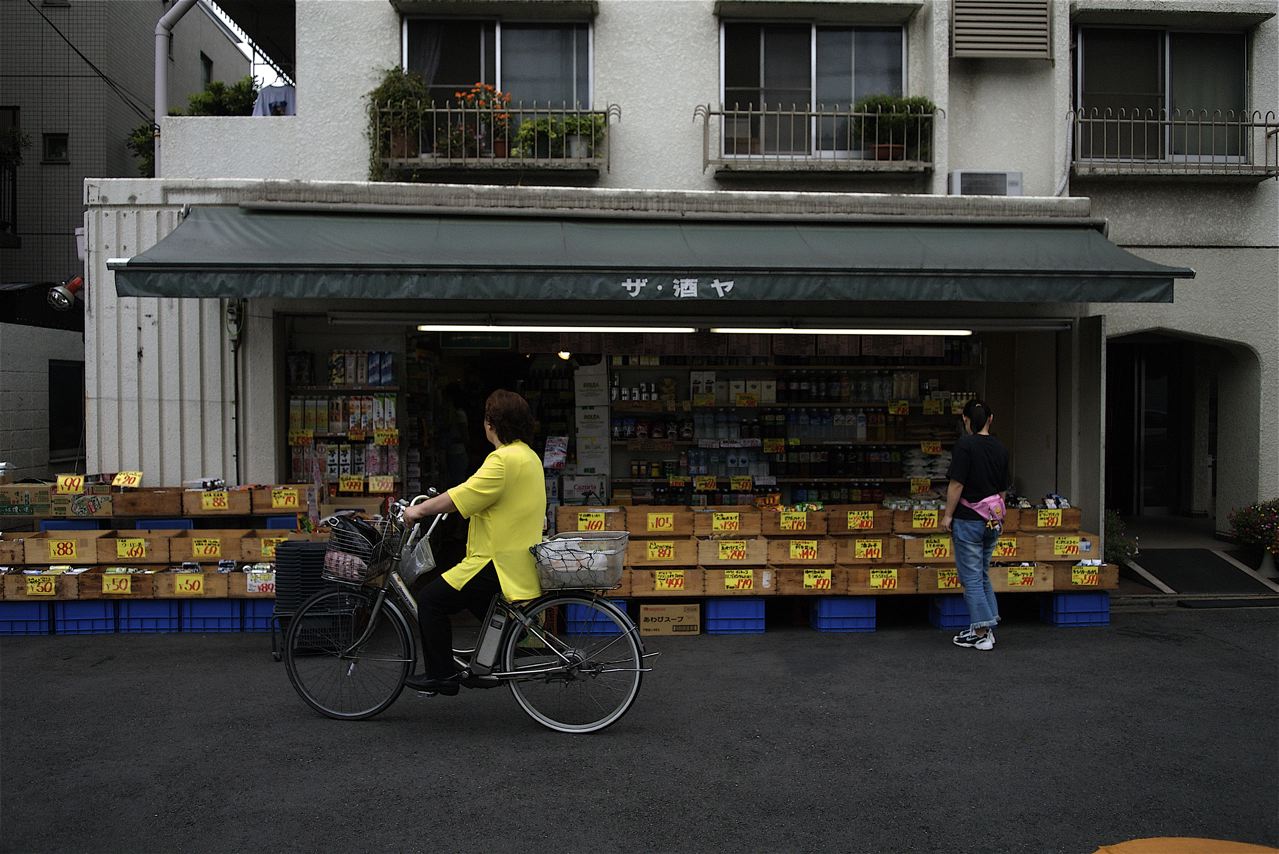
(340, 666)
(576, 663)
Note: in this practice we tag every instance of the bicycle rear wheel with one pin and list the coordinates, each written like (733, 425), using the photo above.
(576, 663)
(333, 675)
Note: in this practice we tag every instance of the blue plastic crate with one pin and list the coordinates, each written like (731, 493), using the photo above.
(742, 615)
(148, 615)
(211, 615)
(843, 614)
(24, 618)
(90, 617)
(587, 621)
(256, 616)
(948, 612)
(1076, 609)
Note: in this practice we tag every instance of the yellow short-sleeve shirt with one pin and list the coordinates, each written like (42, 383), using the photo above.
(505, 501)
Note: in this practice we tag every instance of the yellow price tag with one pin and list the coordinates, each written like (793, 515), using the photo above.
(739, 579)
(1021, 576)
(956, 407)
(774, 446)
(793, 520)
(661, 523)
(1085, 576)
(301, 437)
(1006, 547)
(356, 435)
(705, 483)
(63, 550)
(932, 406)
(803, 550)
(883, 579)
(215, 499)
(861, 520)
(937, 547)
(592, 520)
(931, 448)
(660, 550)
(868, 549)
(724, 523)
(668, 579)
(817, 579)
(381, 483)
(947, 579)
(1066, 546)
(899, 407)
(351, 483)
(677, 481)
(284, 498)
(189, 583)
(131, 548)
(923, 519)
(732, 550)
(42, 585)
(70, 484)
(269, 544)
(920, 485)
(117, 584)
(1048, 518)
(748, 400)
(206, 547)
(740, 483)
(127, 479)
(704, 399)
(386, 436)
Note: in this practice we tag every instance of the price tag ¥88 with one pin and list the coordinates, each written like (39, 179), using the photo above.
(189, 583)
(668, 579)
(1066, 546)
(130, 548)
(1048, 518)
(351, 483)
(660, 550)
(127, 479)
(937, 547)
(722, 523)
(661, 523)
(284, 498)
(868, 549)
(793, 520)
(883, 579)
(117, 584)
(732, 550)
(923, 519)
(803, 550)
(817, 579)
(947, 579)
(590, 521)
(861, 520)
(70, 484)
(739, 579)
(215, 499)
(63, 550)
(1084, 576)
(42, 585)
(206, 547)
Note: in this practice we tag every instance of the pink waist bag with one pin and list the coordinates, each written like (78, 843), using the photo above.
(991, 508)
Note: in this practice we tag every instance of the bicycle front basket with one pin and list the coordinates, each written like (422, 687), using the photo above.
(583, 560)
(360, 550)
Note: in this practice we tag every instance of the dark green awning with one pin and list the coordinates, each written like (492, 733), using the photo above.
(507, 260)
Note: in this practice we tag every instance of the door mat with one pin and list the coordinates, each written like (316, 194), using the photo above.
(1197, 571)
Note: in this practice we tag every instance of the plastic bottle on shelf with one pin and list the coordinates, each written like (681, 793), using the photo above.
(861, 427)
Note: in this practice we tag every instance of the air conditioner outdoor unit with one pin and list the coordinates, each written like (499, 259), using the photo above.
(966, 182)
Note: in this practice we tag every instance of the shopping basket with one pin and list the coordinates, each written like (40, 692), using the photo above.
(360, 550)
(582, 560)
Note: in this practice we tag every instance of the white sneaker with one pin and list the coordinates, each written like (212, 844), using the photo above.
(986, 642)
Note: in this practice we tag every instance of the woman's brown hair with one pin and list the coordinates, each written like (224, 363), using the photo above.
(509, 416)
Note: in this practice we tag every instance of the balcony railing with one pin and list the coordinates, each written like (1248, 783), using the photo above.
(413, 136)
(816, 140)
(8, 206)
(1242, 145)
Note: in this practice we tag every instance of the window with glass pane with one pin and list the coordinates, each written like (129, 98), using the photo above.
(769, 75)
(547, 65)
(1206, 81)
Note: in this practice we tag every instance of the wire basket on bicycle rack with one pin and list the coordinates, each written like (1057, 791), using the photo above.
(361, 549)
(582, 560)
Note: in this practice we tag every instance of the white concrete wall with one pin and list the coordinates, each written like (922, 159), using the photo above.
(25, 352)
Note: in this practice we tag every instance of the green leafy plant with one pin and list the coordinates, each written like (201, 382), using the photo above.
(217, 99)
(1257, 525)
(142, 143)
(12, 143)
(1120, 545)
(545, 137)
(395, 111)
(896, 120)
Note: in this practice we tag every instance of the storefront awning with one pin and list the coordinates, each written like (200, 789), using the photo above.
(511, 260)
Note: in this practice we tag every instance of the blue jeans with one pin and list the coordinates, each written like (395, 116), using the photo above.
(974, 544)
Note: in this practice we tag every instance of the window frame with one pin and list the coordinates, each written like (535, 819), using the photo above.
(44, 148)
(1165, 61)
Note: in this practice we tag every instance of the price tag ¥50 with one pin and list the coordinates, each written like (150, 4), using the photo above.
(117, 584)
(189, 583)
(661, 550)
(590, 521)
(42, 585)
(739, 579)
(129, 479)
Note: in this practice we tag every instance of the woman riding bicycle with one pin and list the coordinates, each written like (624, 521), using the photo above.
(505, 501)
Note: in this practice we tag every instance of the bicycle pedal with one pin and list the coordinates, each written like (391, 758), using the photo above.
(481, 681)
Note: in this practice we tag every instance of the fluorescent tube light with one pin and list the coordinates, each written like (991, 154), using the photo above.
(741, 330)
(447, 327)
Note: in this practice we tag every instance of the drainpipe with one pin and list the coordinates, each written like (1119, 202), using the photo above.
(163, 32)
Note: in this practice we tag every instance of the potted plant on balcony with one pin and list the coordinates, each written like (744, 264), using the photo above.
(583, 135)
(484, 120)
(541, 138)
(395, 115)
(895, 127)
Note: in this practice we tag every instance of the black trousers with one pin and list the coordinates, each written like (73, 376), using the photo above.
(438, 601)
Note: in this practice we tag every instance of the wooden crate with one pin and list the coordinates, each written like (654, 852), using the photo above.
(238, 585)
(793, 523)
(932, 548)
(13, 551)
(91, 505)
(259, 546)
(918, 522)
(154, 547)
(1070, 547)
(662, 553)
(148, 501)
(680, 581)
(793, 551)
(206, 546)
(649, 521)
(821, 581)
(1046, 521)
(732, 553)
(64, 587)
(141, 585)
(726, 521)
(583, 517)
(939, 579)
(1012, 520)
(881, 580)
(1015, 547)
(365, 506)
(276, 499)
(739, 581)
(1037, 580)
(215, 585)
(238, 503)
(890, 549)
(855, 520)
(1104, 577)
(50, 547)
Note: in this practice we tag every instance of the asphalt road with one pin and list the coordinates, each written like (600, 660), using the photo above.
(1059, 740)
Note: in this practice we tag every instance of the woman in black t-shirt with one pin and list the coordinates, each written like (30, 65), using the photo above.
(974, 516)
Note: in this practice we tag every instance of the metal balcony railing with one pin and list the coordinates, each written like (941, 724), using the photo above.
(426, 135)
(821, 139)
(1194, 142)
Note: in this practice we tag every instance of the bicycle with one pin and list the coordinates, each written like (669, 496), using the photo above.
(572, 659)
